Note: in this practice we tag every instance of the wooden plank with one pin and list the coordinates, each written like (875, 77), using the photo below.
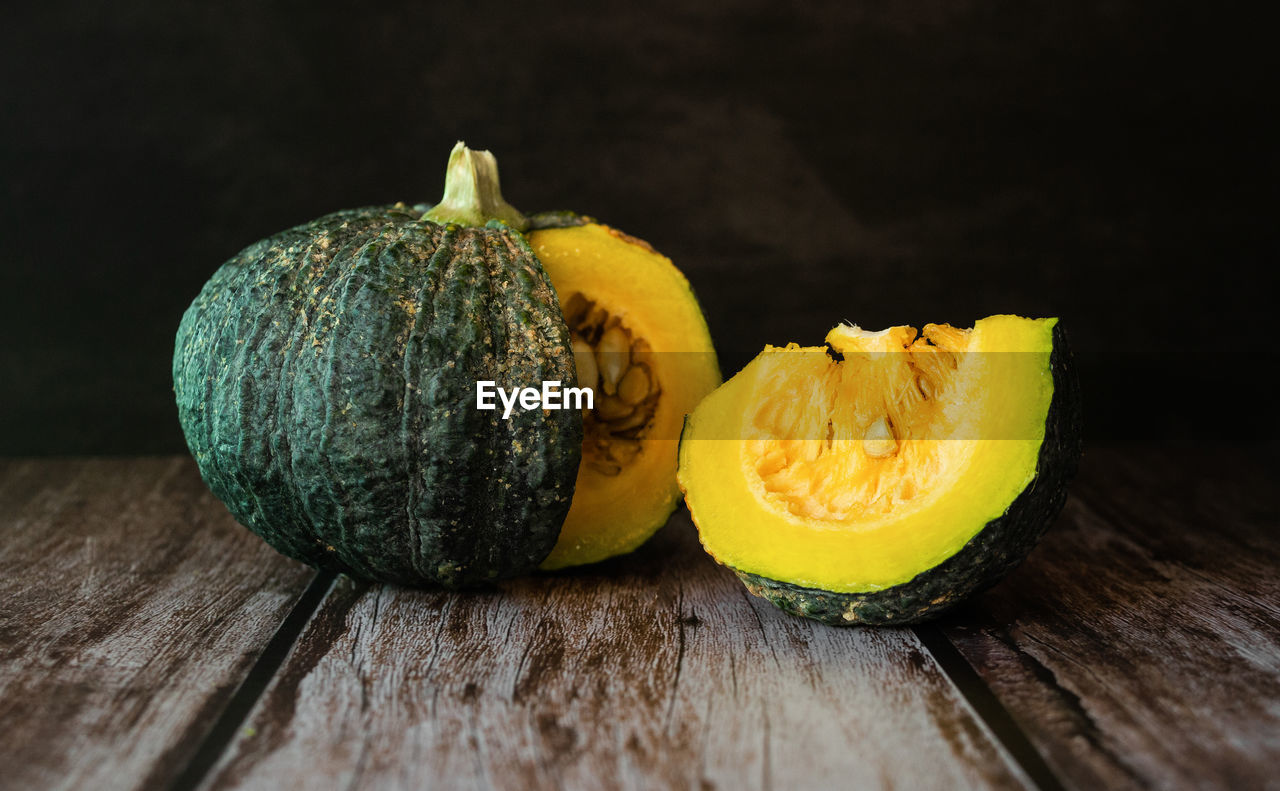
(133, 607)
(655, 670)
(1139, 646)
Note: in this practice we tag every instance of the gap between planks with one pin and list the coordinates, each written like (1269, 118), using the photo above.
(134, 606)
(987, 707)
(255, 683)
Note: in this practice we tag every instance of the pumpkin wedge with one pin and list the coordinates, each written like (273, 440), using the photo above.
(887, 476)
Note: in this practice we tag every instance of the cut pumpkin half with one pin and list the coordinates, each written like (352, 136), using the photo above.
(641, 343)
(886, 476)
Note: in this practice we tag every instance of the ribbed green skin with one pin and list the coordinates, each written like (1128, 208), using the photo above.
(988, 557)
(325, 380)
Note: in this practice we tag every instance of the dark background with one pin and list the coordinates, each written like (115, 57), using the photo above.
(1111, 163)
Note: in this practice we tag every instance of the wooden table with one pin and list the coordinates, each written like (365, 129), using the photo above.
(147, 641)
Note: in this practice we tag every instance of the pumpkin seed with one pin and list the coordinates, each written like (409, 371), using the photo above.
(611, 408)
(636, 419)
(585, 358)
(878, 440)
(634, 384)
(613, 355)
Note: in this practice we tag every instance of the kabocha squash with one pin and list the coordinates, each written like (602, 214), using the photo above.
(326, 385)
(884, 478)
(641, 342)
(326, 381)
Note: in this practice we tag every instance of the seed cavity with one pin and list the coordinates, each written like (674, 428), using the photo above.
(575, 309)
(618, 366)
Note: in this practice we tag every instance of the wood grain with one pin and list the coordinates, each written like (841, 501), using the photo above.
(133, 607)
(1139, 646)
(654, 671)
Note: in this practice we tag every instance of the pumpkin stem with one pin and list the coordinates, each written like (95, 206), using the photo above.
(472, 195)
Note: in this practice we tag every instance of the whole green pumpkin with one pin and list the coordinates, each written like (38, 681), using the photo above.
(326, 383)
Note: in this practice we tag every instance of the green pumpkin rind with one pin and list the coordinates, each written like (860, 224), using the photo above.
(563, 218)
(987, 557)
(325, 380)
